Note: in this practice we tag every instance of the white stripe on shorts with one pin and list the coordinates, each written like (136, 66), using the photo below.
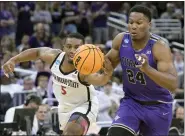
(123, 126)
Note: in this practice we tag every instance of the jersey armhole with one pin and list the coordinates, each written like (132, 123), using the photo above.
(54, 60)
(126, 33)
(153, 57)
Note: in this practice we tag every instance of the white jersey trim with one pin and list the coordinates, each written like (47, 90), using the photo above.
(54, 60)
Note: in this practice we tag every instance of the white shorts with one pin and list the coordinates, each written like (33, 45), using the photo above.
(90, 110)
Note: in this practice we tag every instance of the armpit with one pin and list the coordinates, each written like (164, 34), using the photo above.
(56, 51)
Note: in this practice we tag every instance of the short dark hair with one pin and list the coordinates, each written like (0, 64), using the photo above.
(142, 9)
(77, 36)
(62, 35)
(32, 99)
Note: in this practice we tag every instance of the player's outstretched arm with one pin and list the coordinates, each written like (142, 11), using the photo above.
(165, 75)
(99, 79)
(44, 53)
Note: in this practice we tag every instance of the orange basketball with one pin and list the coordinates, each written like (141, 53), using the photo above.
(88, 59)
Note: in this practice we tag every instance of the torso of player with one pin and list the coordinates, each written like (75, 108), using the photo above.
(67, 87)
(136, 84)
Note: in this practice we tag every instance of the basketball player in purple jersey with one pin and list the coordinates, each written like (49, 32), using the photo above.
(149, 78)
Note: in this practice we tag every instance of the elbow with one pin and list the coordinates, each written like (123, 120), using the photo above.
(173, 89)
(174, 86)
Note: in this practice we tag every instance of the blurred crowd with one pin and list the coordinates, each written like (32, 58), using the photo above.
(25, 25)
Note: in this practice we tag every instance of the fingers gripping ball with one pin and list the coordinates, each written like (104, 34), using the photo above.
(88, 59)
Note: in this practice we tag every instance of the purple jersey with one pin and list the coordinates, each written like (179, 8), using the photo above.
(138, 85)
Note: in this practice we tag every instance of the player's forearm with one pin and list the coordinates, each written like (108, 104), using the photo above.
(102, 79)
(105, 78)
(165, 80)
(27, 55)
(97, 79)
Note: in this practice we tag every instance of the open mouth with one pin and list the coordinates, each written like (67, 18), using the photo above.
(71, 55)
(133, 34)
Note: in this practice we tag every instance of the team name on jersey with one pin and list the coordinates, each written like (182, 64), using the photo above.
(128, 62)
(65, 81)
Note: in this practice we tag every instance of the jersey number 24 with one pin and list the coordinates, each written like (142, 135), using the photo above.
(138, 77)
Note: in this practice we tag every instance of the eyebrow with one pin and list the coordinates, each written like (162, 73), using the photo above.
(73, 45)
(68, 44)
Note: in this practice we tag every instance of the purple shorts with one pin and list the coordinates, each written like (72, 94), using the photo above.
(149, 120)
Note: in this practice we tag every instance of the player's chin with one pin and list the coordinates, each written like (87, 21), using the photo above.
(70, 61)
(134, 37)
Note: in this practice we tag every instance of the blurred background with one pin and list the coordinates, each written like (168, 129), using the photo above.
(25, 25)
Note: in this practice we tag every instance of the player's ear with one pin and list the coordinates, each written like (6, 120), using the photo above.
(149, 25)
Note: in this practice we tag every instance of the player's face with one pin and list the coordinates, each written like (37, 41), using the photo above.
(71, 44)
(138, 25)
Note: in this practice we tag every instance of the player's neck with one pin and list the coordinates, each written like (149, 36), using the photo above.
(67, 66)
(141, 43)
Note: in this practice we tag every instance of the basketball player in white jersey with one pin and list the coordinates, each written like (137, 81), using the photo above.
(78, 104)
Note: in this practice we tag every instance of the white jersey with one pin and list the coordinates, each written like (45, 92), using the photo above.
(67, 87)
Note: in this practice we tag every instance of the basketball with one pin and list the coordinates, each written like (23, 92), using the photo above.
(88, 59)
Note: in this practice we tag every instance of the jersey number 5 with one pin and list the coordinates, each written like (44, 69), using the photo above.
(139, 77)
(63, 91)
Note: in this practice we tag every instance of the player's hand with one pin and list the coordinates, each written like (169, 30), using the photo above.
(143, 60)
(107, 67)
(8, 67)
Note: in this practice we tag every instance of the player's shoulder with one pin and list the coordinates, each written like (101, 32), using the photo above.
(160, 48)
(49, 54)
(161, 43)
(49, 51)
(118, 40)
(120, 36)
(56, 51)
